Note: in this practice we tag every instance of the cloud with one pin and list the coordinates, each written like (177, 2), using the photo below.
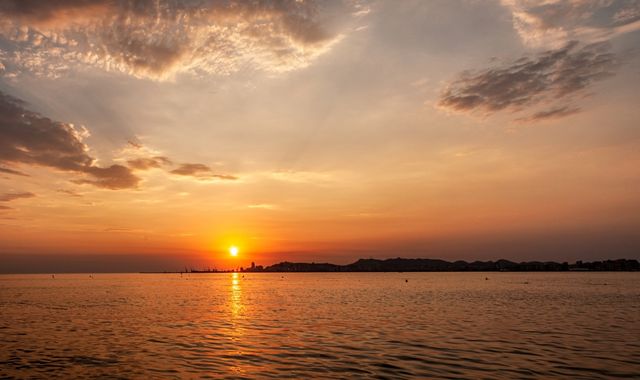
(42, 13)
(11, 171)
(69, 192)
(552, 23)
(140, 157)
(28, 138)
(160, 38)
(550, 77)
(200, 171)
(262, 206)
(13, 196)
(145, 163)
(113, 177)
(553, 113)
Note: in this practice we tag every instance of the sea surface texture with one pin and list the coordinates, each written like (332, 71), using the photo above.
(321, 325)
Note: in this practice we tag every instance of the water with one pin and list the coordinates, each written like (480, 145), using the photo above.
(355, 325)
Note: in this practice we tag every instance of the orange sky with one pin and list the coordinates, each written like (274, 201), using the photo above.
(317, 131)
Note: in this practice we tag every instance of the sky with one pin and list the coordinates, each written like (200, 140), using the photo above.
(156, 134)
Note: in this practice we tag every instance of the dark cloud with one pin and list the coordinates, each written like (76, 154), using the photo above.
(113, 177)
(11, 171)
(28, 138)
(553, 113)
(35, 11)
(191, 169)
(555, 75)
(13, 196)
(148, 163)
(159, 38)
(200, 171)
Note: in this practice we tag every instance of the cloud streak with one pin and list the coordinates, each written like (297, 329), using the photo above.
(553, 76)
(146, 163)
(553, 113)
(159, 39)
(13, 196)
(28, 138)
(200, 171)
(11, 171)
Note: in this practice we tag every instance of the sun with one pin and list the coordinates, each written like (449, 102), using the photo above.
(233, 251)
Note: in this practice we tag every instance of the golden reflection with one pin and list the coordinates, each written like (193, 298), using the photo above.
(236, 296)
(236, 333)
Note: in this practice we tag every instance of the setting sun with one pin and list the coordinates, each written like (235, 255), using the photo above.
(233, 251)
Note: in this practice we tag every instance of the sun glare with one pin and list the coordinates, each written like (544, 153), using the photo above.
(233, 251)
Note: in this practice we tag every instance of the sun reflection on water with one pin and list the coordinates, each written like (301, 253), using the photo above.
(236, 332)
(236, 296)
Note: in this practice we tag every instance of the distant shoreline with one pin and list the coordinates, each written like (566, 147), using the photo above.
(430, 265)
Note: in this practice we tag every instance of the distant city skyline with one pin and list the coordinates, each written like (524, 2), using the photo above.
(164, 133)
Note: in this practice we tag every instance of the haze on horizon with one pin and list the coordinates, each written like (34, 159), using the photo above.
(168, 131)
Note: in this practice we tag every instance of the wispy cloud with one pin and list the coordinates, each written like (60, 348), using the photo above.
(12, 171)
(160, 38)
(262, 206)
(200, 171)
(545, 79)
(145, 163)
(316, 177)
(553, 113)
(552, 23)
(13, 196)
(28, 138)
(69, 192)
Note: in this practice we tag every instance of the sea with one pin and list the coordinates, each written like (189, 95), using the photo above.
(321, 325)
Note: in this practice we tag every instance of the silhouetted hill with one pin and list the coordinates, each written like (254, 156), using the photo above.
(302, 267)
(436, 265)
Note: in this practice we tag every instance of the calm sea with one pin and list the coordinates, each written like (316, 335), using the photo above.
(355, 325)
